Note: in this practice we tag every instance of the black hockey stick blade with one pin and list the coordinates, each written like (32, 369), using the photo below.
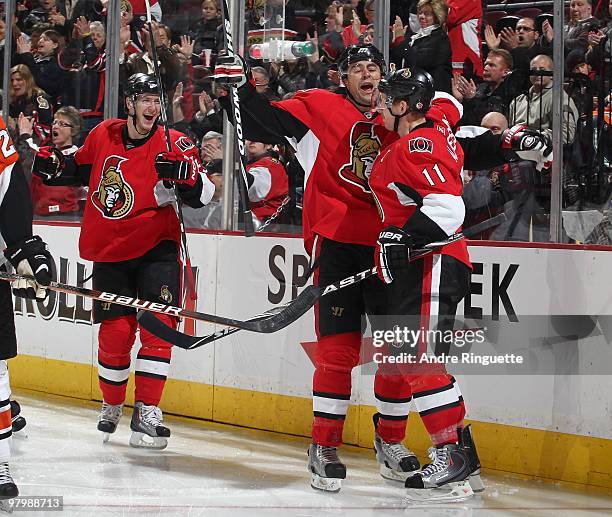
(265, 324)
(187, 342)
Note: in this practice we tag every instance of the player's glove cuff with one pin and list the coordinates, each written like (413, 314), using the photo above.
(392, 253)
(31, 258)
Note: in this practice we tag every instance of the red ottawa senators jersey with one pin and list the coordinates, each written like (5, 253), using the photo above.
(423, 169)
(270, 187)
(337, 155)
(128, 211)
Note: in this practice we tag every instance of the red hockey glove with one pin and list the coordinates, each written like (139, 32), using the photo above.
(231, 70)
(528, 144)
(176, 168)
(32, 258)
(48, 163)
(392, 252)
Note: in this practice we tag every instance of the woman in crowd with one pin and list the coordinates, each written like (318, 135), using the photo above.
(65, 203)
(429, 48)
(43, 63)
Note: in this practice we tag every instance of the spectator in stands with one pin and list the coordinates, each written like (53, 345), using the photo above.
(58, 202)
(48, 11)
(27, 98)
(44, 63)
(507, 189)
(429, 48)
(262, 82)
(535, 109)
(211, 147)
(205, 33)
(267, 179)
(297, 74)
(211, 215)
(523, 42)
(494, 94)
(170, 65)
(576, 31)
(600, 47)
(330, 43)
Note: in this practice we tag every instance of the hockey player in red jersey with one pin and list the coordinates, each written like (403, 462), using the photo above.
(28, 254)
(131, 232)
(416, 183)
(337, 138)
(267, 178)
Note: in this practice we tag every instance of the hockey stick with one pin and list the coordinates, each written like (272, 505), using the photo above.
(249, 229)
(265, 324)
(181, 340)
(163, 115)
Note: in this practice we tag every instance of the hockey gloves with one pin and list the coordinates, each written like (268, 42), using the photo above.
(231, 70)
(392, 252)
(176, 168)
(32, 258)
(528, 144)
(48, 163)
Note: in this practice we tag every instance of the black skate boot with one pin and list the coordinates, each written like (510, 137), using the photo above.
(327, 471)
(467, 443)
(446, 478)
(18, 422)
(396, 461)
(109, 419)
(8, 489)
(147, 429)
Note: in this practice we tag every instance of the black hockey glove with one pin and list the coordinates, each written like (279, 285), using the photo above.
(48, 163)
(392, 252)
(176, 168)
(528, 144)
(231, 70)
(31, 257)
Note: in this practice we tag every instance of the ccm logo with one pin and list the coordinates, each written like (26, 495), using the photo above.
(391, 235)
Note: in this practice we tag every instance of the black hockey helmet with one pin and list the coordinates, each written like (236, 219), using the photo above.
(413, 85)
(141, 83)
(361, 52)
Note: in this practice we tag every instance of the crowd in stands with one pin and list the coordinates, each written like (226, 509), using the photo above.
(497, 64)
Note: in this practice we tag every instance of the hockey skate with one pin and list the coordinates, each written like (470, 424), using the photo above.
(327, 471)
(445, 479)
(109, 419)
(18, 422)
(8, 489)
(396, 461)
(147, 429)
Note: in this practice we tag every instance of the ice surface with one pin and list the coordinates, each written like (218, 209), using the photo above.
(219, 470)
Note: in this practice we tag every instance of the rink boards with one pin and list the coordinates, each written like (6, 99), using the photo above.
(552, 426)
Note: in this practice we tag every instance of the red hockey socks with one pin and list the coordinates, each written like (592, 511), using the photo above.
(335, 358)
(153, 364)
(115, 340)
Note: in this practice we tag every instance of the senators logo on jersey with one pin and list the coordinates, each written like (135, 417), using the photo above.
(365, 147)
(114, 196)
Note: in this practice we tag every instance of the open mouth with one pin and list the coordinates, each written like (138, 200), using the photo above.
(367, 88)
(55, 133)
(149, 118)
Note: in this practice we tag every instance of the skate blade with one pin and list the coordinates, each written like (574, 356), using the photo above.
(395, 475)
(476, 482)
(325, 484)
(144, 441)
(105, 437)
(453, 492)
